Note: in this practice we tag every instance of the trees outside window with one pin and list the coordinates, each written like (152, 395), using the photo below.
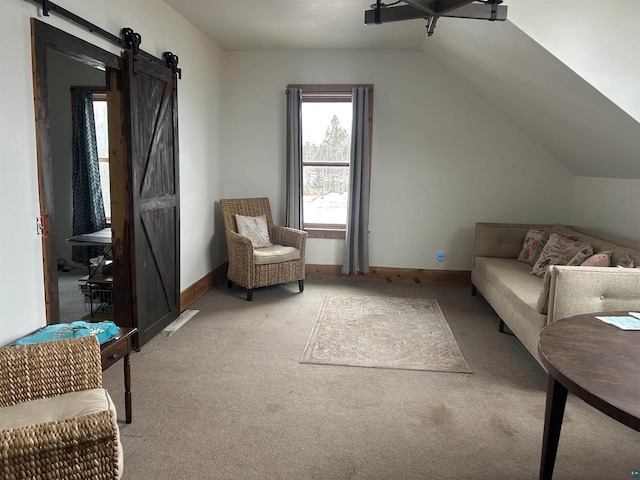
(326, 150)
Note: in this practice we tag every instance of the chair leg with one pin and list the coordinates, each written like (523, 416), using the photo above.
(229, 284)
(301, 285)
(249, 294)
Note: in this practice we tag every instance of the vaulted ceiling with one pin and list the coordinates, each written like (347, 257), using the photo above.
(566, 72)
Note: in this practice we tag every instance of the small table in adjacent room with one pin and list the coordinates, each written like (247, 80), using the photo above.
(119, 347)
(595, 361)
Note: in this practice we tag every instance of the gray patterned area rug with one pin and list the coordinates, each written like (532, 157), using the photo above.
(383, 332)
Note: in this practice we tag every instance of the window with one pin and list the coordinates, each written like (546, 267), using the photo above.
(326, 116)
(102, 139)
(326, 148)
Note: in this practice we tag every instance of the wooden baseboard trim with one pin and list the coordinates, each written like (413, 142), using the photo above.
(202, 286)
(393, 275)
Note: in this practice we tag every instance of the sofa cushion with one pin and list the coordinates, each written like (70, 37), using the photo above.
(561, 251)
(511, 279)
(532, 247)
(255, 229)
(275, 254)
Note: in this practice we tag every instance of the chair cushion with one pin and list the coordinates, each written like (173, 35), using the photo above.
(275, 254)
(61, 407)
(255, 229)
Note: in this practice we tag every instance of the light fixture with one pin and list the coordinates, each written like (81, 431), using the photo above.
(431, 10)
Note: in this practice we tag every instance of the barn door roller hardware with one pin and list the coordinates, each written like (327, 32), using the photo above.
(133, 42)
(431, 10)
(172, 63)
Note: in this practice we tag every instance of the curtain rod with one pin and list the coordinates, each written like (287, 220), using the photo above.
(170, 61)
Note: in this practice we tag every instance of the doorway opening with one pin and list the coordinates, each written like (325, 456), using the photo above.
(66, 77)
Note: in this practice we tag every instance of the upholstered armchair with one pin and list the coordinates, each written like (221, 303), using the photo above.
(56, 420)
(252, 263)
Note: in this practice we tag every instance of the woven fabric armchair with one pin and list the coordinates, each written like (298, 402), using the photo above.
(243, 267)
(47, 383)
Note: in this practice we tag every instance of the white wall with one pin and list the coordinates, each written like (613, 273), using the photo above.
(21, 278)
(442, 158)
(599, 44)
(62, 73)
(608, 204)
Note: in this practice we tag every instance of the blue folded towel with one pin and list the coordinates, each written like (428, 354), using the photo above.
(105, 331)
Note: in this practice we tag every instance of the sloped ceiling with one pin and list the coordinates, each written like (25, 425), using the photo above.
(567, 116)
(531, 77)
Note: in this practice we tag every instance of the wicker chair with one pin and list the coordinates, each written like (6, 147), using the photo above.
(250, 269)
(56, 421)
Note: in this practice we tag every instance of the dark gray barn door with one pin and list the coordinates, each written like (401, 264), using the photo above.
(152, 118)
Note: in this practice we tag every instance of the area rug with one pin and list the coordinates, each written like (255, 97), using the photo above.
(383, 332)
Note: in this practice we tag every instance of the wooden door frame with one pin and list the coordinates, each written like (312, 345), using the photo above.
(44, 37)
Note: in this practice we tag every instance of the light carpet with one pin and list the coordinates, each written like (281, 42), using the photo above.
(383, 332)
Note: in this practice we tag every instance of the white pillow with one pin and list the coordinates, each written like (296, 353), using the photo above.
(255, 229)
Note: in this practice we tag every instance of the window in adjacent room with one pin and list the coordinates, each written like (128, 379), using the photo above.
(102, 139)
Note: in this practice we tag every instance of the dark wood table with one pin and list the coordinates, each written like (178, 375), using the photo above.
(119, 347)
(595, 361)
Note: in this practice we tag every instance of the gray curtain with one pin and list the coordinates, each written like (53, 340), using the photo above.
(88, 208)
(294, 158)
(356, 252)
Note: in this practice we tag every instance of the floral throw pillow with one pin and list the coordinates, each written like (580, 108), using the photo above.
(625, 261)
(561, 251)
(543, 299)
(532, 246)
(255, 229)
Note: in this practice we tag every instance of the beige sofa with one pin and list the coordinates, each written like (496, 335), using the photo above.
(513, 293)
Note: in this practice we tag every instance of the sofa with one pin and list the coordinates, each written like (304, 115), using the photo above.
(515, 294)
(56, 420)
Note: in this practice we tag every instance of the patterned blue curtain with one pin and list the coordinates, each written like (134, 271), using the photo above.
(88, 209)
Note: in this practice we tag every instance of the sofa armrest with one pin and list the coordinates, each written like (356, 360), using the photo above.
(503, 240)
(43, 370)
(578, 290)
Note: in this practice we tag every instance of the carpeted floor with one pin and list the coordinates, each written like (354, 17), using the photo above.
(225, 398)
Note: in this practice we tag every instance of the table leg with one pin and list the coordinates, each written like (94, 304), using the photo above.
(554, 411)
(127, 388)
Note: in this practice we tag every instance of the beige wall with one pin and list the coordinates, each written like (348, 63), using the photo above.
(607, 204)
(21, 279)
(443, 158)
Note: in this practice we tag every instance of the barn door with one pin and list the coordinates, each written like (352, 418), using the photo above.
(152, 117)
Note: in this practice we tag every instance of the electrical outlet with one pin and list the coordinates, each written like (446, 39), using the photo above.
(441, 256)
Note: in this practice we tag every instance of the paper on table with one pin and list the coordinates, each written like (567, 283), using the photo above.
(625, 323)
(635, 314)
